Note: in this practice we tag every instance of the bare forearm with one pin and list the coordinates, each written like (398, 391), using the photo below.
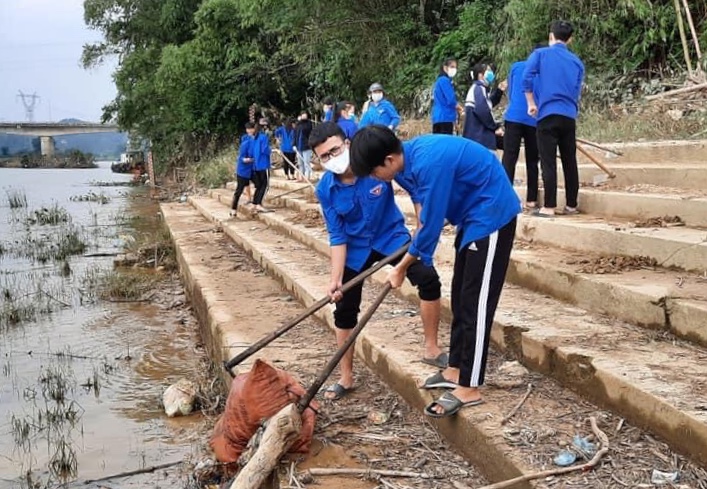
(338, 262)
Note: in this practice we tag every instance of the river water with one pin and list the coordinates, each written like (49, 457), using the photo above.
(81, 379)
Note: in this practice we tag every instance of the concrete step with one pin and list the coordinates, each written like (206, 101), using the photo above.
(614, 203)
(637, 206)
(692, 177)
(655, 297)
(656, 384)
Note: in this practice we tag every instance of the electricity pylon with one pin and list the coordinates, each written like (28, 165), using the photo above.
(29, 101)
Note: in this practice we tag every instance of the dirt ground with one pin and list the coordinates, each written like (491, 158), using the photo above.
(345, 437)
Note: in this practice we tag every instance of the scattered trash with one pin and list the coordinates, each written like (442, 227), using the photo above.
(661, 478)
(378, 417)
(587, 448)
(179, 398)
(565, 458)
(660, 222)
(183, 198)
(613, 264)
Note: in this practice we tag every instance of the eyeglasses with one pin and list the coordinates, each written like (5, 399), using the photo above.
(332, 153)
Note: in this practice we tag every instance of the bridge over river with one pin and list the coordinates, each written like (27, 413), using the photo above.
(46, 131)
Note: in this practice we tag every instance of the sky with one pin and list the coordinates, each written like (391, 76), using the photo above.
(40, 52)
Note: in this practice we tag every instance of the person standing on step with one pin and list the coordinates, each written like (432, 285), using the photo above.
(365, 225)
(303, 128)
(244, 166)
(479, 123)
(462, 182)
(285, 137)
(444, 99)
(380, 110)
(261, 166)
(327, 109)
(552, 82)
(519, 126)
(344, 119)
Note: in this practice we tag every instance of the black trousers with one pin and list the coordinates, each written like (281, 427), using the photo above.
(241, 184)
(425, 278)
(289, 170)
(443, 128)
(479, 274)
(261, 179)
(557, 131)
(516, 132)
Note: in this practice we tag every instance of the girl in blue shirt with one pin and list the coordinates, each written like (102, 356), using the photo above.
(444, 99)
(344, 119)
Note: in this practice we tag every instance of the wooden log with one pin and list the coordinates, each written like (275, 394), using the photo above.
(281, 431)
(678, 91)
(683, 38)
(695, 39)
(598, 163)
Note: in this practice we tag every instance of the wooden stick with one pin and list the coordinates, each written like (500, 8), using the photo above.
(129, 473)
(383, 473)
(515, 409)
(683, 38)
(297, 168)
(288, 192)
(565, 470)
(281, 432)
(311, 310)
(678, 91)
(695, 39)
(598, 146)
(598, 163)
(314, 388)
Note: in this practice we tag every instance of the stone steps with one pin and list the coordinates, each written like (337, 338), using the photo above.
(690, 206)
(655, 298)
(656, 384)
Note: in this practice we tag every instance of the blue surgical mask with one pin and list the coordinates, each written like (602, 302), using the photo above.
(489, 76)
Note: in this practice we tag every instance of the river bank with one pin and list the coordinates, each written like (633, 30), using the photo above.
(73, 160)
(87, 351)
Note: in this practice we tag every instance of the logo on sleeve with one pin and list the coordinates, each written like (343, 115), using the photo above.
(377, 190)
(472, 247)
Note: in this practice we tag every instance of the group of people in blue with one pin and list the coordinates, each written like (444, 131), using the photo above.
(450, 180)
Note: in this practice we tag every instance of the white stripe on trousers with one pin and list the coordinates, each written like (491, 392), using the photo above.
(481, 311)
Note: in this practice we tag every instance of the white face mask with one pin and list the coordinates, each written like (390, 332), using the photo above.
(338, 164)
(452, 72)
(377, 96)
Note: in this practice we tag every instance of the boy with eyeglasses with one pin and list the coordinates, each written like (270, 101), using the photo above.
(365, 225)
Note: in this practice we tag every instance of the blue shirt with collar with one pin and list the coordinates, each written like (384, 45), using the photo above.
(444, 100)
(243, 169)
(261, 152)
(517, 110)
(363, 216)
(286, 137)
(383, 113)
(349, 127)
(554, 74)
(460, 181)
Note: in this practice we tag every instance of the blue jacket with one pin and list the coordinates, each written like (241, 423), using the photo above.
(243, 169)
(286, 136)
(363, 216)
(554, 75)
(328, 114)
(261, 152)
(383, 113)
(348, 126)
(444, 101)
(517, 110)
(461, 181)
(479, 124)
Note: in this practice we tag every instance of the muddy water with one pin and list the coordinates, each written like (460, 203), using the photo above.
(97, 369)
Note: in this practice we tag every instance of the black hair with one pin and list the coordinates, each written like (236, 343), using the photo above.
(479, 69)
(338, 108)
(324, 131)
(250, 125)
(328, 101)
(562, 30)
(369, 148)
(446, 63)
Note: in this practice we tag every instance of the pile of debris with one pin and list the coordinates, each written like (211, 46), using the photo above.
(310, 218)
(614, 264)
(660, 222)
